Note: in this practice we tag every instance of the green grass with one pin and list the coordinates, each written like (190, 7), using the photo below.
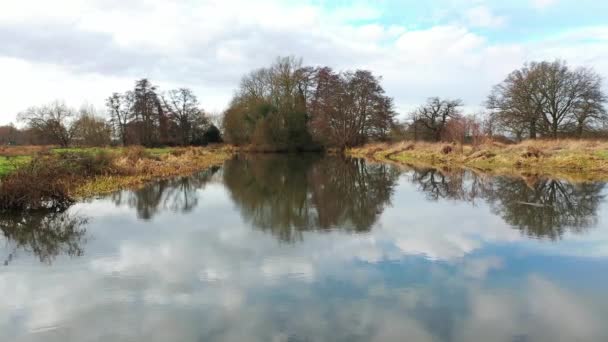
(602, 154)
(8, 164)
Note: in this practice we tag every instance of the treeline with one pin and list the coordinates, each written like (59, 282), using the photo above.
(292, 107)
(142, 116)
(540, 100)
(289, 106)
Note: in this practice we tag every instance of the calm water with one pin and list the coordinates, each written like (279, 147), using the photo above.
(304, 248)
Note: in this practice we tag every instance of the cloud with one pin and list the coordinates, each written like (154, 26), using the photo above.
(482, 16)
(96, 47)
(202, 276)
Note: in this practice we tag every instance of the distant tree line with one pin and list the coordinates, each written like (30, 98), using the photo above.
(289, 106)
(142, 116)
(540, 100)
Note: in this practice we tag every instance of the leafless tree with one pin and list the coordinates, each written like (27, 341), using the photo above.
(183, 107)
(119, 107)
(436, 113)
(548, 98)
(52, 122)
(90, 129)
(350, 108)
(516, 105)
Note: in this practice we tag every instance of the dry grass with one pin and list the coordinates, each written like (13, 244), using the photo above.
(136, 167)
(572, 159)
(16, 151)
(55, 179)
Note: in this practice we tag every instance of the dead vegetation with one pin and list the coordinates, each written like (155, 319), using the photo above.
(28, 150)
(51, 180)
(582, 158)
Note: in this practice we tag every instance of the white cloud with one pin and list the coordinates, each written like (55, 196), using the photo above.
(167, 275)
(482, 16)
(79, 50)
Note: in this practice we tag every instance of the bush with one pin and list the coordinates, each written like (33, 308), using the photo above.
(42, 183)
(46, 181)
(135, 153)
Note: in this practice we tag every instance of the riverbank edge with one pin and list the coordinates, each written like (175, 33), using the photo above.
(166, 168)
(571, 160)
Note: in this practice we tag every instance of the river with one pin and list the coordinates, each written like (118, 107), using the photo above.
(313, 248)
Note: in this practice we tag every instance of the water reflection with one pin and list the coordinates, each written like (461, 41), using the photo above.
(447, 184)
(289, 195)
(438, 259)
(542, 208)
(45, 234)
(547, 208)
(176, 195)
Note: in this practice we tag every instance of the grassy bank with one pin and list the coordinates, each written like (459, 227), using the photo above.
(54, 177)
(575, 160)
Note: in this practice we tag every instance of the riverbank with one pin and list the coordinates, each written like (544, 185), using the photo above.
(144, 169)
(574, 160)
(55, 177)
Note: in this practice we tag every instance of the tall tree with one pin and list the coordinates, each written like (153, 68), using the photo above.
(350, 108)
(119, 107)
(147, 113)
(52, 122)
(549, 98)
(183, 107)
(269, 109)
(90, 129)
(516, 103)
(434, 115)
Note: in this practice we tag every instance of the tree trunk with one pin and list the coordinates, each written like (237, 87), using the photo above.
(532, 129)
(580, 129)
(554, 129)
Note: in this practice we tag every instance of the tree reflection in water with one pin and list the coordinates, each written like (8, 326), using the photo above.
(547, 208)
(287, 195)
(177, 195)
(45, 234)
(541, 208)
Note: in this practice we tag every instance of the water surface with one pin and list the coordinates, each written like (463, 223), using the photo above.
(311, 248)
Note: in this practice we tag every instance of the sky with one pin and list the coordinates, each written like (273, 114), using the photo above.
(81, 51)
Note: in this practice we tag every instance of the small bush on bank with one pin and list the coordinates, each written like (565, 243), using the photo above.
(51, 179)
(46, 181)
(135, 153)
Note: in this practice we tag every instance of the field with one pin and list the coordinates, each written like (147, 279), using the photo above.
(13, 157)
(576, 160)
(34, 177)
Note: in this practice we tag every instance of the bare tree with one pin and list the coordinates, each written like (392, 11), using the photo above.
(90, 129)
(184, 109)
(52, 122)
(350, 108)
(589, 113)
(548, 98)
(436, 113)
(119, 107)
(516, 105)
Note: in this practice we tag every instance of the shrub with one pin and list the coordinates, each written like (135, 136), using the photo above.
(42, 183)
(46, 181)
(447, 149)
(135, 153)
